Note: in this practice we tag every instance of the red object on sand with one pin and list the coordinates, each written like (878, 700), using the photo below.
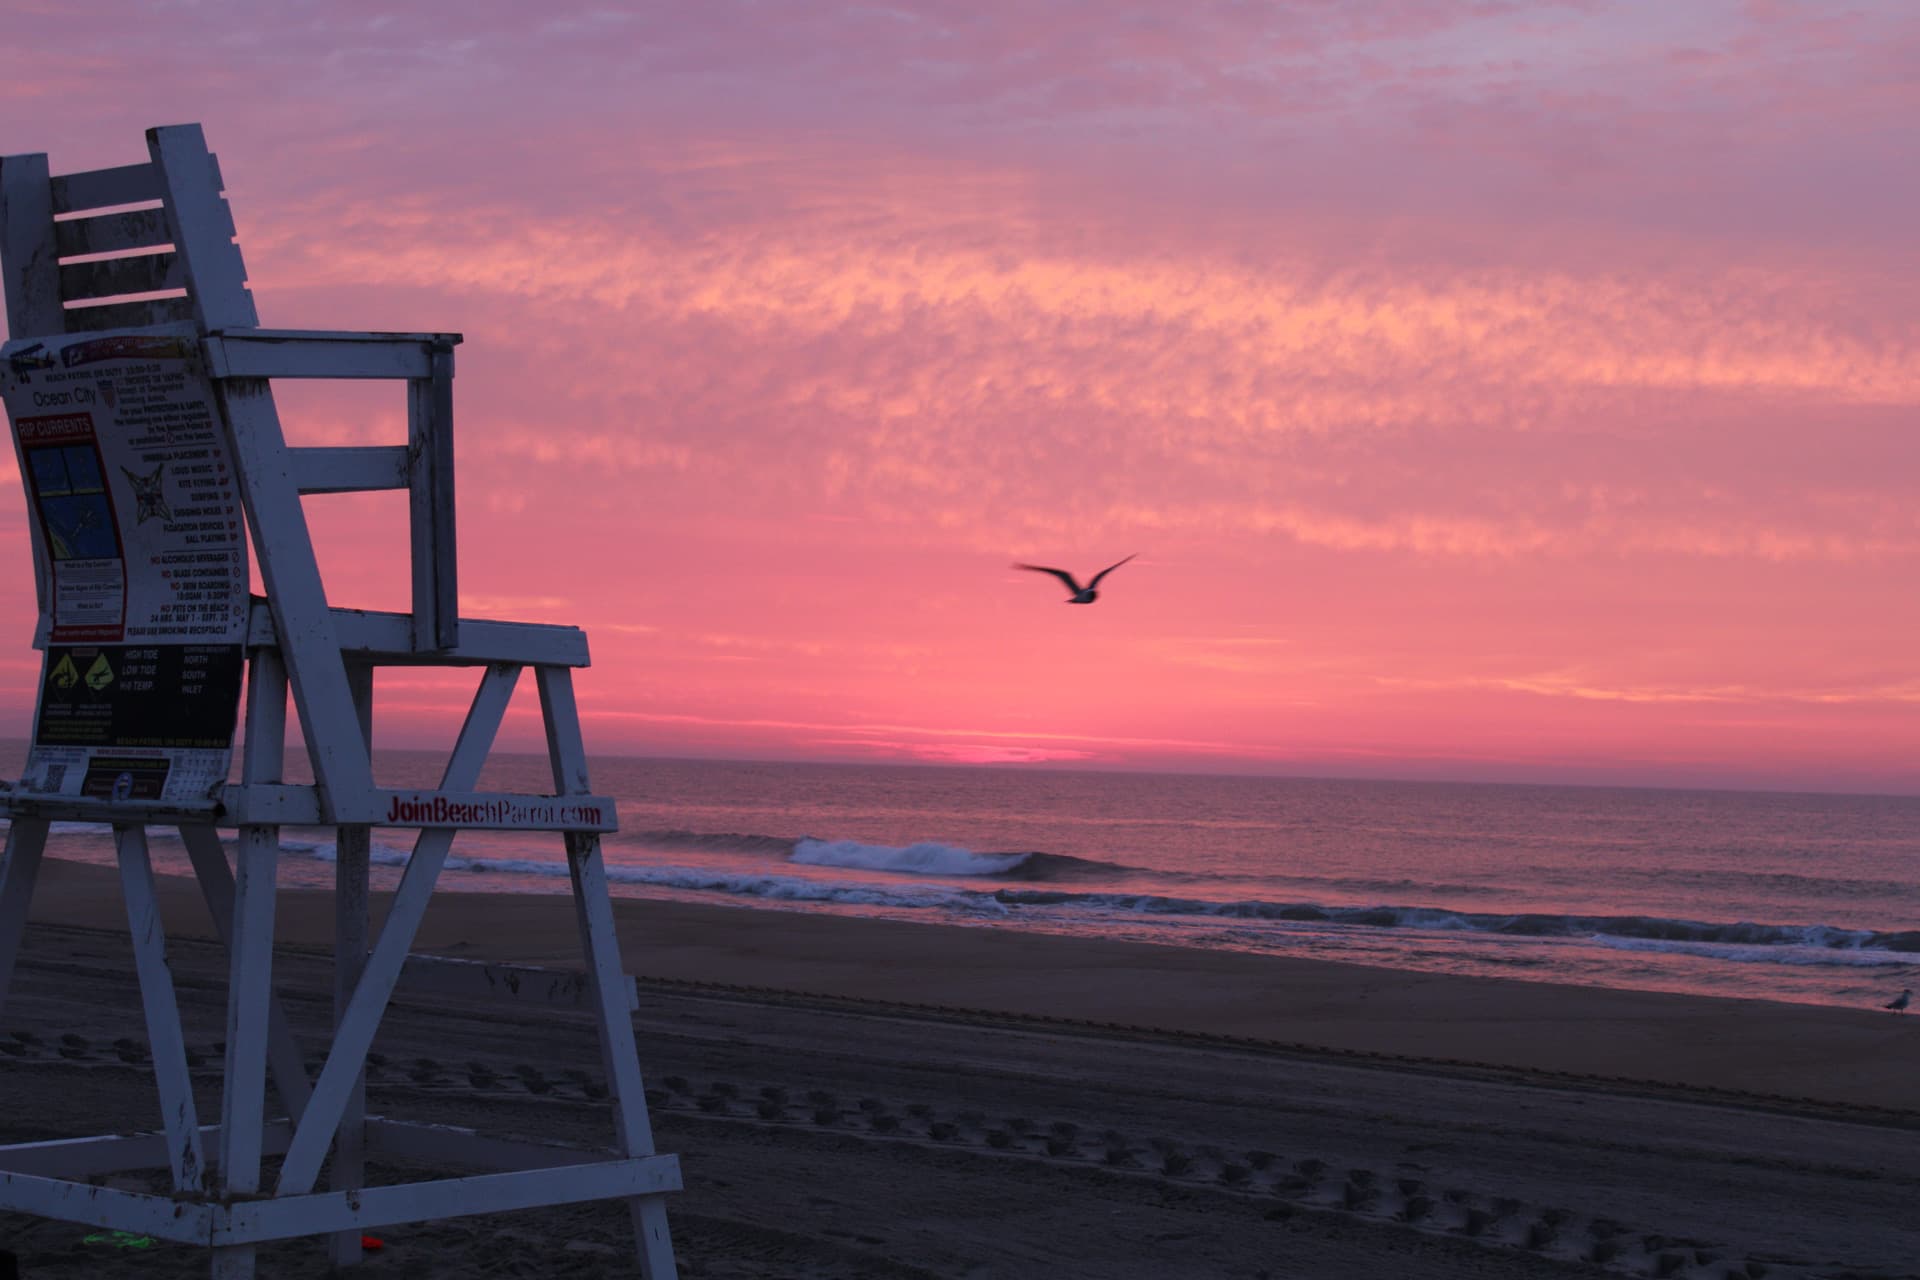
(372, 1244)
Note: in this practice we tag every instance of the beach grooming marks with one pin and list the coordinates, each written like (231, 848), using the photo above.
(139, 389)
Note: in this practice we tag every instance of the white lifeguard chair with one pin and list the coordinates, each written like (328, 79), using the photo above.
(134, 270)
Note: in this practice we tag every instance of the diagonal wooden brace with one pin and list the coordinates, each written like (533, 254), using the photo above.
(354, 1035)
(164, 1036)
(216, 886)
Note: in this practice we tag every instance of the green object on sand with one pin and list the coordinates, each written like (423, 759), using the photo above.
(119, 1240)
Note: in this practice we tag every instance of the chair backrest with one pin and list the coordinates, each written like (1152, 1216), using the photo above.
(129, 247)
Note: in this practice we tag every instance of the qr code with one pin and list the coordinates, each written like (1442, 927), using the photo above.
(53, 778)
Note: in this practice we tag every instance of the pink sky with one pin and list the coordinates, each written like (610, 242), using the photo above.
(1490, 390)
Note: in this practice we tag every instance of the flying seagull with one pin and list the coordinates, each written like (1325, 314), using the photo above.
(1081, 595)
(1899, 1003)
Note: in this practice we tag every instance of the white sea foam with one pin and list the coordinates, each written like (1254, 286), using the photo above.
(1742, 943)
(925, 858)
(1746, 953)
(828, 874)
(802, 889)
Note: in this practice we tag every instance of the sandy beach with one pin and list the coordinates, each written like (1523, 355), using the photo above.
(870, 1098)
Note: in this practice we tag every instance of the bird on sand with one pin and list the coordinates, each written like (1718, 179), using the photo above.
(1080, 595)
(1900, 1002)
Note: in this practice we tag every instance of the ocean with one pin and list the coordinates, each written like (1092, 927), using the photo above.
(1792, 897)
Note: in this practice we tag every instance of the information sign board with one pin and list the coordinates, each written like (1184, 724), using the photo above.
(140, 550)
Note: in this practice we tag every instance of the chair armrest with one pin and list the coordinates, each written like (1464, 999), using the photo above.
(319, 353)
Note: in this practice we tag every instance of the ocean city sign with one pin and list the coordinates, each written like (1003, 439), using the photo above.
(142, 558)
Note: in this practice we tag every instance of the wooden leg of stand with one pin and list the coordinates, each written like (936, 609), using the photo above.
(566, 752)
(617, 1049)
(249, 988)
(26, 838)
(353, 850)
(348, 1173)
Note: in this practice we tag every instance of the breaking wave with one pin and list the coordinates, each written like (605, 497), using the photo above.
(710, 842)
(924, 858)
(930, 858)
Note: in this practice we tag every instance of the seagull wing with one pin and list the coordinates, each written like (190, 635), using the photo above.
(1109, 569)
(1061, 574)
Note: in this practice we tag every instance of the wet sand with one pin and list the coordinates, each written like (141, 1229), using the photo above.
(855, 1098)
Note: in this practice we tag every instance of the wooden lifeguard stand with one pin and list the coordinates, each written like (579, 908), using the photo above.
(118, 275)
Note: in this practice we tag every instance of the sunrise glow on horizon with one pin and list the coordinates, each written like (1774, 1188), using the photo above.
(1489, 391)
